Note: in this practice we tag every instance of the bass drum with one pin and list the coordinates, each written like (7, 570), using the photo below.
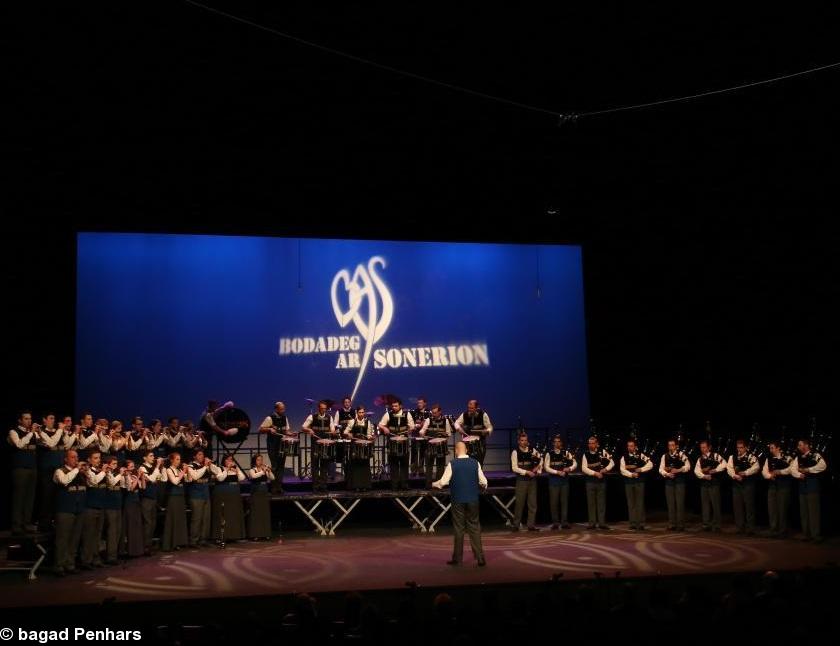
(227, 419)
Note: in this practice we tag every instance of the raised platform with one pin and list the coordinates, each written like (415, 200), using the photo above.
(386, 559)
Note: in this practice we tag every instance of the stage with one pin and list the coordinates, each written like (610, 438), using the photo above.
(371, 559)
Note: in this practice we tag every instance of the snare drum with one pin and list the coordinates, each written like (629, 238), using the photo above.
(398, 445)
(324, 450)
(361, 450)
(473, 444)
(291, 447)
(438, 447)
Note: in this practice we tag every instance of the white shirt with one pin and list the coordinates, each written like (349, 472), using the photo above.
(253, 474)
(447, 475)
(698, 470)
(765, 471)
(584, 465)
(268, 423)
(308, 421)
(368, 425)
(336, 420)
(514, 463)
(222, 475)
(19, 437)
(752, 469)
(64, 479)
(819, 467)
(685, 468)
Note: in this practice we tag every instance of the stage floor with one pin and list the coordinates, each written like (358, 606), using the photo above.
(383, 559)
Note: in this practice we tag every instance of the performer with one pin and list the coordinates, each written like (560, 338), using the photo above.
(112, 505)
(117, 441)
(526, 463)
(319, 427)
(275, 427)
(595, 464)
(742, 468)
(475, 422)
(709, 469)
(175, 521)
(50, 454)
(156, 441)
(559, 463)
(360, 430)
(435, 427)
(132, 535)
(102, 443)
(135, 440)
(777, 472)
(633, 466)
(24, 439)
(209, 415)
(150, 475)
(397, 423)
(94, 514)
(199, 473)
(344, 415)
(674, 467)
(228, 522)
(259, 518)
(173, 435)
(806, 468)
(465, 479)
(419, 449)
(85, 436)
(71, 486)
(193, 441)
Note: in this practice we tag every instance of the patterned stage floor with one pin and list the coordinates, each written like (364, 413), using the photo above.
(377, 559)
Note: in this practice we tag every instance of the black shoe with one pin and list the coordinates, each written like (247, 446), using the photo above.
(590, 526)
(515, 528)
(531, 528)
(85, 566)
(604, 527)
(59, 571)
(453, 562)
(706, 528)
(555, 527)
(641, 528)
(112, 562)
(481, 562)
(565, 525)
(818, 539)
(672, 528)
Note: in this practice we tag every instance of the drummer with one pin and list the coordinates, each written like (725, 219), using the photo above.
(360, 430)
(418, 451)
(436, 427)
(475, 422)
(276, 427)
(397, 423)
(319, 427)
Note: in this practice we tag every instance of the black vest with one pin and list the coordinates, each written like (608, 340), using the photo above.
(231, 478)
(205, 478)
(345, 415)
(712, 461)
(398, 423)
(808, 461)
(596, 461)
(437, 427)
(526, 459)
(419, 415)
(359, 430)
(560, 460)
(474, 421)
(635, 460)
(279, 421)
(742, 463)
(321, 426)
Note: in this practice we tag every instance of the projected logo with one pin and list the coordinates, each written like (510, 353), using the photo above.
(363, 299)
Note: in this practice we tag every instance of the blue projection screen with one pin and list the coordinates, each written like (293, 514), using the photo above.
(166, 322)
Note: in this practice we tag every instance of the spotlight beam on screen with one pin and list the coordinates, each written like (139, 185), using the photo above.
(166, 322)
(363, 288)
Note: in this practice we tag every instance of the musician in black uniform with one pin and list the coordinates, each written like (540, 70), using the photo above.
(397, 423)
(50, 454)
(435, 427)
(319, 427)
(341, 419)
(419, 450)
(526, 463)
(595, 464)
(709, 469)
(634, 466)
(777, 472)
(359, 429)
(743, 469)
(674, 467)
(24, 439)
(476, 422)
(275, 427)
(71, 489)
(806, 468)
(558, 464)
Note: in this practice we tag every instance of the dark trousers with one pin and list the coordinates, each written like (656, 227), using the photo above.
(710, 503)
(778, 503)
(481, 450)
(596, 501)
(434, 469)
(675, 501)
(743, 505)
(320, 473)
(809, 508)
(199, 520)
(94, 521)
(465, 519)
(558, 502)
(148, 509)
(68, 534)
(359, 475)
(634, 492)
(24, 484)
(46, 497)
(113, 531)
(398, 466)
(526, 491)
(278, 465)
